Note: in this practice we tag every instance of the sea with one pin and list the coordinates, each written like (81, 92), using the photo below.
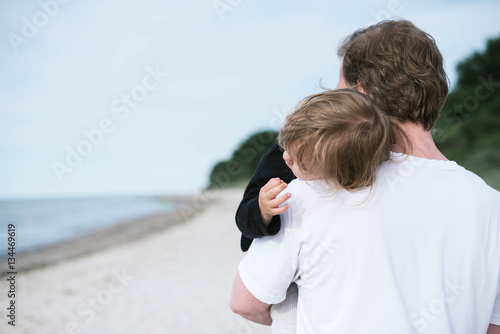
(44, 222)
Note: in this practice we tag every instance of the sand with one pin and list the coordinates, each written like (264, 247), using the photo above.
(175, 280)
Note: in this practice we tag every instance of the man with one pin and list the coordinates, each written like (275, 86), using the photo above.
(422, 254)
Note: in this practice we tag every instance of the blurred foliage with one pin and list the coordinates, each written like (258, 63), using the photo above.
(468, 130)
(240, 167)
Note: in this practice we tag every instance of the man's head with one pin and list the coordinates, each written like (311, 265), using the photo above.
(400, 67)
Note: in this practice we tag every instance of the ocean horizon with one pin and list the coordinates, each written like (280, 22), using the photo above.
(44, 222)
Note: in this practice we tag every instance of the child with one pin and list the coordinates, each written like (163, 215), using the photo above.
(337, 136)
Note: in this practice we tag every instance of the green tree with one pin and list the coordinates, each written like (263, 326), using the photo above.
(468, 130)
(245, 159)
(479, 64)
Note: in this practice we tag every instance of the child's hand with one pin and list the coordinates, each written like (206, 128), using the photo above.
(268, 203)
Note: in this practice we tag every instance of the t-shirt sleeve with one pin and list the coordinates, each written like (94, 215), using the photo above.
(271, 263)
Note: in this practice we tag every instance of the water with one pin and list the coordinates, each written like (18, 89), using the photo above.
(41, 223)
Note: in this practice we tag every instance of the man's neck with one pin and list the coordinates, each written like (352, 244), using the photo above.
(421, 143)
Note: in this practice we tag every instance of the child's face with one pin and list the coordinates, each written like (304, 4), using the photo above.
(289, 160)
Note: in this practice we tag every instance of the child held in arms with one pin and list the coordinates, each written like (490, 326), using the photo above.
(334, 141)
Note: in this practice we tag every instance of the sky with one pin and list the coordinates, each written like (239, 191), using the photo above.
(137, 98)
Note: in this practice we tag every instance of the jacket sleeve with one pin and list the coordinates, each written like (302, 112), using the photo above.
(248, 217)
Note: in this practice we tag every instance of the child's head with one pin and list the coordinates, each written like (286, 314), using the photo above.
(339, 136)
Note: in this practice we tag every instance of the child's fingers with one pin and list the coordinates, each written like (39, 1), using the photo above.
(273, 192)
(271, 184)
(281, 209)
(280, 200)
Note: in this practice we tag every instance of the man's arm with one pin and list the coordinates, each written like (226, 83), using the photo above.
(267, 270)
(248, 216)
(249, 307)
(493, 329)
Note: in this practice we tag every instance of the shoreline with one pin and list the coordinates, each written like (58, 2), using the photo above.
(158, 283)
(118, 234)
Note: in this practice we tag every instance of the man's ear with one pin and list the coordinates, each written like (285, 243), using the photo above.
(360, 89)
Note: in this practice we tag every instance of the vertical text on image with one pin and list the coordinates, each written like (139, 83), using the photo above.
(11, 264)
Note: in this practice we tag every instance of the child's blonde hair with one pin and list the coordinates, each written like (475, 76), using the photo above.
(339, 136)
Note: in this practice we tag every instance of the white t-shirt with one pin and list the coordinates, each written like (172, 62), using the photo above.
(420, 253)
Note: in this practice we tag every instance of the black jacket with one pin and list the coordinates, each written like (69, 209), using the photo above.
(248, 217)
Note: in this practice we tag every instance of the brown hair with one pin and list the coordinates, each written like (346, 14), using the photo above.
(400, 67)
(339, 136)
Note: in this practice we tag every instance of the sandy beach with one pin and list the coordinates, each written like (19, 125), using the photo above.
(174, 280)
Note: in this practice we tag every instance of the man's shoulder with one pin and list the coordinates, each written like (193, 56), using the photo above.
(476, 181)
(471, 188)
(445, 171)
(479, 186)
(306, 193)
(309, 187)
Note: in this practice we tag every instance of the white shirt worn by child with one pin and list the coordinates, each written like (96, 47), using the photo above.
(419, 253)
